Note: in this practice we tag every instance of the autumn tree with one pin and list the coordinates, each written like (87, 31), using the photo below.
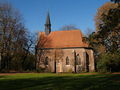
(108, 26)
(103, 10)
(106, 40)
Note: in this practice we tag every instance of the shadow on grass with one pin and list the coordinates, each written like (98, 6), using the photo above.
(99, 82)
(2, 77)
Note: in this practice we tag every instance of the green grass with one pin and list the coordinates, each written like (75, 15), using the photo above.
(49, 81)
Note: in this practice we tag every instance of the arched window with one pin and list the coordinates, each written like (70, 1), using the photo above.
(67, 61)
(78, 60)
(46, 60)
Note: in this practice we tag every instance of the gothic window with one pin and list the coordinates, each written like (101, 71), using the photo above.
(78, 60)
(46, 60)
(67, 61)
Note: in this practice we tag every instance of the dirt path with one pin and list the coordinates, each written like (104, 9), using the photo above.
(1, 74)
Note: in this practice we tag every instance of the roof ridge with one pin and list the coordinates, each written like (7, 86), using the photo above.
(65, 30)
(69, 30)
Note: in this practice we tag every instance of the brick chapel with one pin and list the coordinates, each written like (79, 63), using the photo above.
(63, 51)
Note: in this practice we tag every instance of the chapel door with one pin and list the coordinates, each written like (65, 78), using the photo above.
(59, 66)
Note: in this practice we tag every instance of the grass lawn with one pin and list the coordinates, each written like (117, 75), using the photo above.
(49, 81)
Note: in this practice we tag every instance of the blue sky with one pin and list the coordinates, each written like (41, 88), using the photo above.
(62, 12)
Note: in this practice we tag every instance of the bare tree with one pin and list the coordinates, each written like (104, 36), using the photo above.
(69, 27)
(29, 47)
(88, 32)
(42, 42)
(116, 1)
(13, 34)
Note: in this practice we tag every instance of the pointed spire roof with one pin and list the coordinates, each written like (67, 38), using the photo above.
(48, 19)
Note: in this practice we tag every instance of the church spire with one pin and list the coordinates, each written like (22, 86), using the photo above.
(48, 25)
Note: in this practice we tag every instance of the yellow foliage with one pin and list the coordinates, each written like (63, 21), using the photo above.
(104, 9)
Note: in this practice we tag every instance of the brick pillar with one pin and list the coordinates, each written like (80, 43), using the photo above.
(92, 62)
(84, 62)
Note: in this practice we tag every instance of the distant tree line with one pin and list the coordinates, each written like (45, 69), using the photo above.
(16, 42)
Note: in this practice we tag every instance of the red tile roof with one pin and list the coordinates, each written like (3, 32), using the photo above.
(61, 39)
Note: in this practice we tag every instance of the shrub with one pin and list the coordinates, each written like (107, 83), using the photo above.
(109, 62)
